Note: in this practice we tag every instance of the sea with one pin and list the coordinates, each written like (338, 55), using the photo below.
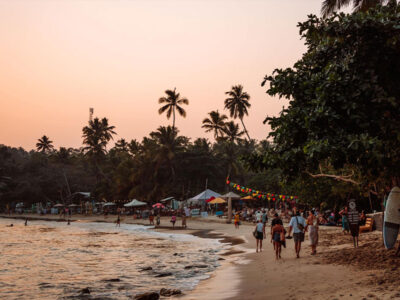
(53, 260)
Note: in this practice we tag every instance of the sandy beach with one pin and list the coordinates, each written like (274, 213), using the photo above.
(338, 271)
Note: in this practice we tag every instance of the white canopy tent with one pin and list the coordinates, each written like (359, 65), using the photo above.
(135, 203)
(203, 196)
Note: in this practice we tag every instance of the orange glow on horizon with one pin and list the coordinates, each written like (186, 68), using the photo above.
(59, 58)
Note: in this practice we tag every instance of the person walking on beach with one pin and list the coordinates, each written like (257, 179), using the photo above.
(275, 220)
(118, 222)
(312, 228)
(264, 217)
(183, 220)
(158, 219)
(237, 220)
(278, 238)
(297, 224)
(151, 219)
(173, 220)
(259, 233)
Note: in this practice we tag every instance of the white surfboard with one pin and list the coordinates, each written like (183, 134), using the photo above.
(391, 224)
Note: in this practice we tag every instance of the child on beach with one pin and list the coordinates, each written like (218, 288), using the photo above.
(237, 220)
(173, 220)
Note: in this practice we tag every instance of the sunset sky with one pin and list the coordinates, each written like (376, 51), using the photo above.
(58, 58)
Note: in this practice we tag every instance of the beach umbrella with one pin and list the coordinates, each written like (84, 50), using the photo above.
(59, 205)
(109, 204)
(248, 198)
(217, 201)
(231, 195)
(158, 205)
(211, 199)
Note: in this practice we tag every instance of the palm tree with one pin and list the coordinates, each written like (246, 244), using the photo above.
(122, 145)
(215, 123)
(237, 104)
(233, 132)
(330, 6)
(169, 143)
(172, 102)
(133, 147)
(96, 137)
(44, 144)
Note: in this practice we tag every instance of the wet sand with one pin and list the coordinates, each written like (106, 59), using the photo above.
(338, 271)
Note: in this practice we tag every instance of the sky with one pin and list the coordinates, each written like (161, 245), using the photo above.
(59, 58)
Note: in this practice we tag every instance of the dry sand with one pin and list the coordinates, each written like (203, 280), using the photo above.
(338, 271)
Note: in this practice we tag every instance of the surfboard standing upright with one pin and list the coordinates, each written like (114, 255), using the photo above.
(391, 224)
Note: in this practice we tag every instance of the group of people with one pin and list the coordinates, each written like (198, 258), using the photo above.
(298, 225)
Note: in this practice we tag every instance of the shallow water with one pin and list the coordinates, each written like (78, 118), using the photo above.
(50, 260)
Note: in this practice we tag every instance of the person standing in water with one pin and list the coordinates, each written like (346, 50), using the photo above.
(259, 233)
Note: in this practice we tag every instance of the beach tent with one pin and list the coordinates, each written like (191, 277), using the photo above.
(231, 195)
(217, 201)
(202, 197)
(135, 203)
(167, 199)
(109, 204)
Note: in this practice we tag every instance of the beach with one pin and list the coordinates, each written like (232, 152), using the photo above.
(337, 272)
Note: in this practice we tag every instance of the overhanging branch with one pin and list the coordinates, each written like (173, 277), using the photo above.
(345, 178)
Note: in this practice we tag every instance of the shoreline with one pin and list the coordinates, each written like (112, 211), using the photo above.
(223, 283)
(244, 274)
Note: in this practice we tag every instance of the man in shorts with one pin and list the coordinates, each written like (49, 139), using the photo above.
(298, 224)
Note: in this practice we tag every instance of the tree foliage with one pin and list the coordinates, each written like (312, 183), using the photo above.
(344, 100)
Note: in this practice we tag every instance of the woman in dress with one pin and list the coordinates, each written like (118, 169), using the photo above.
(312, 228)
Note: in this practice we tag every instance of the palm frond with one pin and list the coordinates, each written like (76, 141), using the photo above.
(181, 111)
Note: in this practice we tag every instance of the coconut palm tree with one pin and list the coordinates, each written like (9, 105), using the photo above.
(44, 144)
(233, 132)
(172, 102)
(237, 104)
(96, 137)
(122, 145)
(169, 143)
(330, 6)
(215, 123)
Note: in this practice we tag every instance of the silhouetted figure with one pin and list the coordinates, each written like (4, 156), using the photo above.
(26, 222)
(11, 225)
(69, 223)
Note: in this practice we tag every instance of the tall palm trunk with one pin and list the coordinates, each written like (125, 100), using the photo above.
(173, 118)
(245, 130)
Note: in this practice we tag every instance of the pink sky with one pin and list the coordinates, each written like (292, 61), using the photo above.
(58, 58)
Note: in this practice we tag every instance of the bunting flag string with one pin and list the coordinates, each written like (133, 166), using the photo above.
(261, 195)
